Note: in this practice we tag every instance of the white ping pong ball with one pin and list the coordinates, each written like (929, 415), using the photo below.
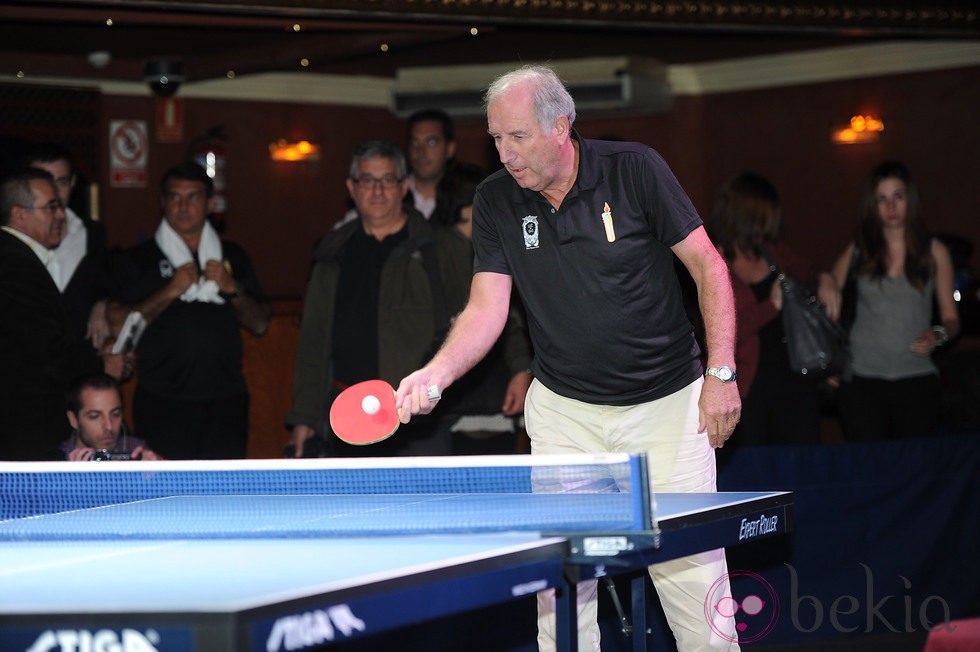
(370, 404)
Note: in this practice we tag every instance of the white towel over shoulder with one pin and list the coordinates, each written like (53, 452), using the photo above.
(178, 253)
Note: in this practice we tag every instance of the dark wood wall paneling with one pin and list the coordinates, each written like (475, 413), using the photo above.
(278, 210)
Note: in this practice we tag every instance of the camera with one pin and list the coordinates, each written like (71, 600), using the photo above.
(103, 455)
(164, 76)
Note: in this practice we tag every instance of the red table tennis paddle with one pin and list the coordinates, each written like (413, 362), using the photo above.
(365, 413)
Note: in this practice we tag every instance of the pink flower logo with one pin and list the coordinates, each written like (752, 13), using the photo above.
(754, 616)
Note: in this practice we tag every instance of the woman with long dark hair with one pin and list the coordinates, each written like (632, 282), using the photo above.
(900, 273)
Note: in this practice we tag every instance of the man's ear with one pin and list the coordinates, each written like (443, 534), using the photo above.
(16, 220)
(561, 125)
(72, 419)
(451, 150)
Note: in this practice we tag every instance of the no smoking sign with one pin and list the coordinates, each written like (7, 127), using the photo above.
(128, 153)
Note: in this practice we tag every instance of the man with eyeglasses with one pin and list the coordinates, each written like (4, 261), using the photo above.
(79, 263)
(195, 291)
(382, 290)
(39, 350)
(431, 167)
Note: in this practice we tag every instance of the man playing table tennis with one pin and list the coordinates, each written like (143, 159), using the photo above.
(586, 231)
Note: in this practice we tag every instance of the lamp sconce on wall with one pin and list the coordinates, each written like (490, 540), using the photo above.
(303, 150)
(861, 129)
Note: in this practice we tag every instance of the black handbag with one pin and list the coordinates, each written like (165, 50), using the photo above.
(817, 346)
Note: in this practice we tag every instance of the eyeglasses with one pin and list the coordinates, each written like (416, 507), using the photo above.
(387, 182)
(51, 207)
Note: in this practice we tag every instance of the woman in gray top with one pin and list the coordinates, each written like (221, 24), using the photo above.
(900, 272)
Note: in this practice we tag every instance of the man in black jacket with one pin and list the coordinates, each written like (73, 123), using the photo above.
(39, 351)
(81, 275)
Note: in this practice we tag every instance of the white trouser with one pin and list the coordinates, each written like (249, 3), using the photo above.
(680, 460)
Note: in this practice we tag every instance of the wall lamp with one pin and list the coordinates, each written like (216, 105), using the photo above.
(303, 150)
(861, 129)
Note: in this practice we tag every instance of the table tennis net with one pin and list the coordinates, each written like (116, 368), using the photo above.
(328, 497)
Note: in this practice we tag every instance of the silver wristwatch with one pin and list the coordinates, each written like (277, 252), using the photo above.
(724, 374)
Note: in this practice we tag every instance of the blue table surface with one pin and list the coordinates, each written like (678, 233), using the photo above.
(221, 576)
(228, 575)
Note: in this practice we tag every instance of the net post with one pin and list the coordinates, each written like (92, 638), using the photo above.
(640, 479)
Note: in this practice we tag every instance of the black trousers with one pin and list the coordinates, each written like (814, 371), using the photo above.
(873, 409)
(192, 430)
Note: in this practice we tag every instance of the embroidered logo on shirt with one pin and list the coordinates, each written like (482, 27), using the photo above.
(530, 228)
(166, 269)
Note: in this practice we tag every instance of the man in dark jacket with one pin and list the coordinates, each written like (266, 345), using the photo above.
(82, 273)
(39, 351)
(382, 290)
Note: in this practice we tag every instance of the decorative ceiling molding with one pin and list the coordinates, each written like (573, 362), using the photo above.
(909, 17)
(733, 75)
(832, 64)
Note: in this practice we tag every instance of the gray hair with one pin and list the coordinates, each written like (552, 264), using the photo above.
(16, 191)
(378, 149)
(549, 96)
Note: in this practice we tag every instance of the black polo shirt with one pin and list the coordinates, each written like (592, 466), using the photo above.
(193, 350)
(607, 319)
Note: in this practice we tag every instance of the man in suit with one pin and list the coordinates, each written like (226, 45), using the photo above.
(81, 271)
(39, 351)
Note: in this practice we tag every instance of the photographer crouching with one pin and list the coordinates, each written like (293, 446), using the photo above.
(95, 412)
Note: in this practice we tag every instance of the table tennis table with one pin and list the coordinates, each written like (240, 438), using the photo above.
(155, 556)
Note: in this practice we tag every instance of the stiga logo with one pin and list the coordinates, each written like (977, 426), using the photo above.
(98, 640)
(313, 628)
